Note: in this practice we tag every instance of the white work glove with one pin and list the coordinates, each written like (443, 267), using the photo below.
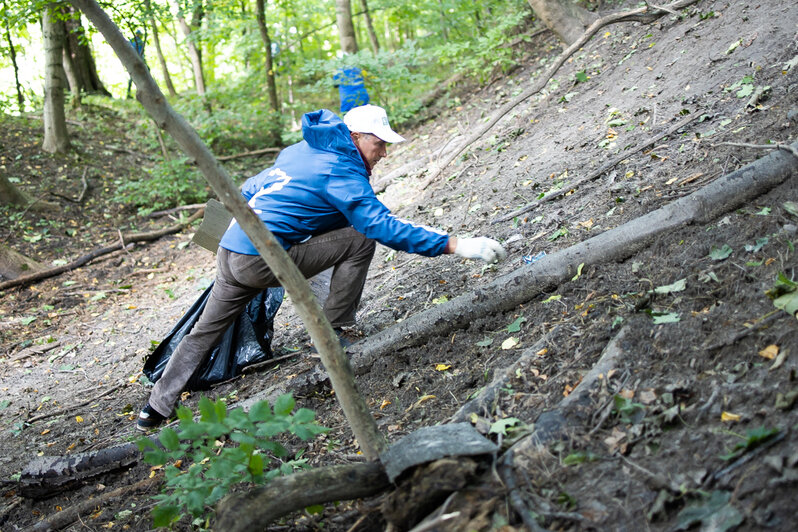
(481, 247)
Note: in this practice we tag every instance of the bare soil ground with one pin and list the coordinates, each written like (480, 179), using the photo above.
(696, 376)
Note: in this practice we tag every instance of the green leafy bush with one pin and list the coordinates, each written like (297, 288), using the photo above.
(170, 183)
(203, 460)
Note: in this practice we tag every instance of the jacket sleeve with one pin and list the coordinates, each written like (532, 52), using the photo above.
(355, 198)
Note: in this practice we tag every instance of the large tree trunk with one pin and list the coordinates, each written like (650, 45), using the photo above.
(375, 44)
(83, 64)
(161, 60)
(346, 29)
(56, 138)
(267, 43)
(564, 17)
(194, 51)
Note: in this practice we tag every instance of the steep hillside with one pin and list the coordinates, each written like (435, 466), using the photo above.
(651, 387)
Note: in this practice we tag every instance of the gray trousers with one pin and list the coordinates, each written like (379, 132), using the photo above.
(239, 278)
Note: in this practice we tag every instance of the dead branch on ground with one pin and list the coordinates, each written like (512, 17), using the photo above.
(597, 173)
(646, 14)
(80, 261)
(248, 154)
(69, 515)
(69, 408)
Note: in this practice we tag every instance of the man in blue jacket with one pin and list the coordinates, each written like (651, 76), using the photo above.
(318, 203)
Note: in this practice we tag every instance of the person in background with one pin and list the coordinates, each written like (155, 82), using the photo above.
(318, 203)
(137, 42)
(351, 87)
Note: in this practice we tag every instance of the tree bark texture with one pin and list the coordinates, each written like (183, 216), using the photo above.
(256, 508)
(288, 275)
(346, 29)
(56, 138)
(267, 43)
(161, 60)
(530, 281)
(564, 17)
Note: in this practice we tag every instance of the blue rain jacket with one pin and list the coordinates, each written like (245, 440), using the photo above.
(321, 184)
(351, 88)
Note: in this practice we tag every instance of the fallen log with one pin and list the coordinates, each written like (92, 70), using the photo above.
(45, 476)
(524, 284)
(125, 240)
(258, 507)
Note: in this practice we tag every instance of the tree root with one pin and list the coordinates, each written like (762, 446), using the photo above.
(80, 261)
(241, 512)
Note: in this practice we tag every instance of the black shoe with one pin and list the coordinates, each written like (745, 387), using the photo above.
(149, 419)
(344, 338)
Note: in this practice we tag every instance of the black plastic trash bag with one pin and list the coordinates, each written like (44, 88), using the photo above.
(247, 341)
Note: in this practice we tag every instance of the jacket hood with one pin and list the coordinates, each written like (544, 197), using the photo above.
(323, 130)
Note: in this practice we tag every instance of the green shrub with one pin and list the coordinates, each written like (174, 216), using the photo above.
(169, 184)
(224, 449)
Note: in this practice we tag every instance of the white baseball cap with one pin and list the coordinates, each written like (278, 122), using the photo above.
(371, 119)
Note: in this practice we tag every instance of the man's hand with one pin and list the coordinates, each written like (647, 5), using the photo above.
(481, 247)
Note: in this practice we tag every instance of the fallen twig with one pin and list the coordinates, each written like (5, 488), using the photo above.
(66, 409)
(593, 175)
(69, 515)
(156, 214)
(779, 146)
(248, 154)
(80, 261)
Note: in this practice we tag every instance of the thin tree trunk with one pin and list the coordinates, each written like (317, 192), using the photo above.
(71, 76)
(375, 44)
(194, 52)
(56, 138)
(346, 29)
(13, 53)
(364, 427)
(161, 60)
(267, 43)
(84, 66)
(564, 17)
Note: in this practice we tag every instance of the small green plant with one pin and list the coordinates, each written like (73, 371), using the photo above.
(628, 410)
(173, 182)
(784, 294)
(753, 438)
(224, 449)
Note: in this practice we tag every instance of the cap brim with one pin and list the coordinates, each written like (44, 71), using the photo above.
(389, 135)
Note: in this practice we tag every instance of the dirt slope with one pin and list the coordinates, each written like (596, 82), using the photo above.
(692, 378)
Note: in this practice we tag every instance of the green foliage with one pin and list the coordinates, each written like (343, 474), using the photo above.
(234, 118)
(784, 294)
(489, 51)
(628, 411)
(170, 183)
(221, 450)
(753, 438)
